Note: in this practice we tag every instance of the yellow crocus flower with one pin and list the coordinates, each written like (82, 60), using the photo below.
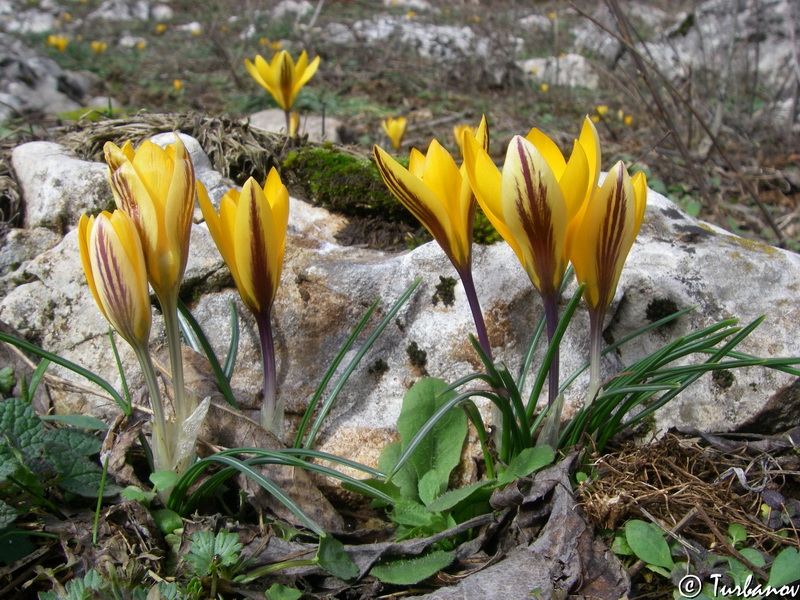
(156, 188)
(250, 232)
(535, 199)
(438, 194)
(605, 234)
(114, 264)
(395, 130)
(608, 226)
(98, 47)
(282, 77)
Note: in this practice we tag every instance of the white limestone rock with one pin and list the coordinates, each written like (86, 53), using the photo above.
(57, 188)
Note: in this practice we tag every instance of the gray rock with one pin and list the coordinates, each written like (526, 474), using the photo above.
(29, 81)
(57, 188)
(20, 245)
(122, 10)
(318, 129)
(570, 70)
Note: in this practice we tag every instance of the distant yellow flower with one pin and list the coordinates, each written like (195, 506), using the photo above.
(282, 77)
(534, 70)
(141, 45)
(595, 118)
(602, 110)
(223, 28)
(177, 84)
(552, 15)
(410, 14)
(67, 17)
(99, 47)
(395, 130)
(544, 87)
(263, 41)
(620, 114)
(276, 45)
(59, 42)
(628, 120)
(160, 28)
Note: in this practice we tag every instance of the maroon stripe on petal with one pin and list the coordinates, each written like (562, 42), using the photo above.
(262, 278)
(111, 281)
(536, 217)
(609, 242)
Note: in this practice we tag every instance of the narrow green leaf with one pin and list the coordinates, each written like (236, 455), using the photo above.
(337, 388)
(233, 347)
(408, 571)
(452, 498)
(200, 338)
(10, 339)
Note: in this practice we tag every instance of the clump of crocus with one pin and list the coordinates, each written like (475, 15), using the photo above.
(395, 130)
(533, 205)
(282, 77)
(438, 194)
(607, 226)
(155, 187)
(250, 232)
(99, 47)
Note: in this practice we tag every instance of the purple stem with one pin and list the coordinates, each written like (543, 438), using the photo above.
(268, 409)
(551, 319)
(477, 315)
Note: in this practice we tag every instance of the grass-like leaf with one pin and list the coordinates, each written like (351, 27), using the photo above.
(190, 326)
(96, 379)
(337, 388)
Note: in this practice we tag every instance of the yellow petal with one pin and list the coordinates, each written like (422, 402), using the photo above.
(549, 150)
(486, 182)
(416, 196)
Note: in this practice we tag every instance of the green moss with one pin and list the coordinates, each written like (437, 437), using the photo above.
(342, 182)
(417, 356)
(483, 231)
(445, 291)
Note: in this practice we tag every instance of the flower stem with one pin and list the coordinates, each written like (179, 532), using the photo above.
(288, 114)
(163, 454)
(551, 318)
(595, 344)
(477, 315)
(271, 408)
(170, 311)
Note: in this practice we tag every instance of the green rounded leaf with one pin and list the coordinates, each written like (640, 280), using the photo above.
(648, 544)
(785, 569)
